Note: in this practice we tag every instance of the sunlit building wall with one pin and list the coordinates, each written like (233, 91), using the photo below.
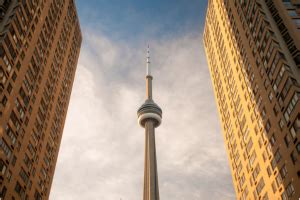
(253, 52)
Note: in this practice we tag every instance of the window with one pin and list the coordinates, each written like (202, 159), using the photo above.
(18, 65)
(260, 185)
(249, 145)
(5, 148)
(8, 175)
(43, 172)
(278, 180)
(292, 13)
(273, 163)
(14, 76)
(279, 77)
(294, 156)
(277, 156)
(263, 112)
(265, 197)
(268, 126)
(298, 148)
(27, 161)
(293, 132)
(290, 190)
(24, 176)
(272, 140)
(291, 106)
(37, 196)
(13, 160)
(245, 193)
(276, 109)
(7, 63)
(297, 22)
(10, 47)
(283, 171)
(20, 190)
(283, 196)
(269, 171)
(281, 124)
(4, 101)
(24, 96)
(286, 88)
(31, 149)
(14, 120)
(274, 187)
(287, 140)
(287, 2)
(256, 172)
(9, 88)
(252, 158)
(3, 192)
(10, 134)
(2, 167)
(271, 96)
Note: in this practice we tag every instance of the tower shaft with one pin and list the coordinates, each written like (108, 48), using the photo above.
(149, 117)
(151, 191)
(149, 87)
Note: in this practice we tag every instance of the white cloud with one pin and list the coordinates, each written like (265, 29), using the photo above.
(101, 155)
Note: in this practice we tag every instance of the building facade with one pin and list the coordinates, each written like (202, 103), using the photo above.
(253, 52)
(39, 47)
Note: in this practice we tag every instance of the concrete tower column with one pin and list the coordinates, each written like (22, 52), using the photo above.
(150, 171)
(149, 117)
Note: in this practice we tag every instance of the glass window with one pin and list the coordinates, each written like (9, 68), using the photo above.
(278, 180)
(298, 148)
(2, 167)
(24, 176)
(20, 190)
(297, 22)
(5, 148)
(260, 185)
(292, 13)
(274, 187)
(283, 196)
(277, 156)
(287, 140)
(294, 157)
(268, 126)
(283, 171)
(291, 106)
(290, 190)
(272, 140)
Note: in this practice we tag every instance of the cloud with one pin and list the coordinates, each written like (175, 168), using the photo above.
(102, 150)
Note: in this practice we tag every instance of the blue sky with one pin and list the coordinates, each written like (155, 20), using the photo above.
(102, 150)
(135, 19)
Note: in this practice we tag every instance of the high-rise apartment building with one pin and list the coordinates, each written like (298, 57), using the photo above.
(39, 46)
(253, 52)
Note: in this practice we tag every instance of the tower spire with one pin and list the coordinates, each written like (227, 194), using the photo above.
(148, 76)
(148, 62)
(149, 117)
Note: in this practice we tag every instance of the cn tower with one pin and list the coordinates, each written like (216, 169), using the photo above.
(149, 117)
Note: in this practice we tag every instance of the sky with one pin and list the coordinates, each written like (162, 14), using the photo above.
(102, 150)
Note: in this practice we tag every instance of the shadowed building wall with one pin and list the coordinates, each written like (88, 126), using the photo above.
(39, 47)
(253, 52)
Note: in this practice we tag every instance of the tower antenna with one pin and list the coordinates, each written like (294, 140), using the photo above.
(148, 61)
